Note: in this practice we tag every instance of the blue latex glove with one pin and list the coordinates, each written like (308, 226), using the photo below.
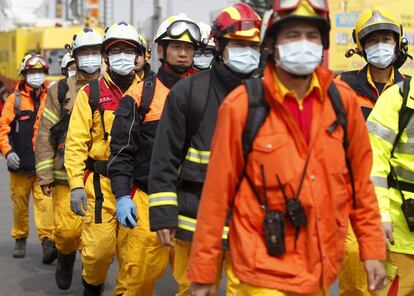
(126, 211)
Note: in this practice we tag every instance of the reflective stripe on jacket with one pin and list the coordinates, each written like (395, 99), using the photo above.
(49, 163)
(281, 148)
(383, 129)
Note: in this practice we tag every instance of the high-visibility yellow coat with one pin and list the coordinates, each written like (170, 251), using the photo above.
(383, 129)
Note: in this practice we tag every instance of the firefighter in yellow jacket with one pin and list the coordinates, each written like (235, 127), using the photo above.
(87, 151)
(18, 127)
(379, 40)
(51, 174)
(391, 127)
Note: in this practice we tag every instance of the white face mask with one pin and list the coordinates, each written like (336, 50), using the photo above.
(35, 79)
(90, 63)
(122, 63)
(71, 73)
(380, 55)
(202, 62)
(299, 57)
(242, 59)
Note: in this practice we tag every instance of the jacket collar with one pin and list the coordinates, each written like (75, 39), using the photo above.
(223, 78)
(323, 75)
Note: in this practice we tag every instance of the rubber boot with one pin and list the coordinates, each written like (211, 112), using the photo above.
(20, 248)
(49, 251)
(64, 270)
(90, 290)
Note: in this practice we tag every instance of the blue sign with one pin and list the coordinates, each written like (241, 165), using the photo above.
(346, 20)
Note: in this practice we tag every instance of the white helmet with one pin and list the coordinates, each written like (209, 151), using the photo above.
(86, 37)
(121, 31)
(205, 34)
(180, 28)
(67, 58)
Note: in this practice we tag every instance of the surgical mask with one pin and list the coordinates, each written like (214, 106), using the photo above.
(90, 63)
(35, 80)
(299, 57)
(242, 59)
(122, 63)
(380, 55)
(203, 62)
(71, 73)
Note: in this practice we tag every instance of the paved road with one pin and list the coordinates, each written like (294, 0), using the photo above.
(29, 277)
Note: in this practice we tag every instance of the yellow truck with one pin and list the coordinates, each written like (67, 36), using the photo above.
(48, 41)
(344, 14)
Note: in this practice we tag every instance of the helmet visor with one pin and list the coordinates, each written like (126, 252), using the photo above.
(281, 5)
(243, 29)
(179, 28)
(35, 60)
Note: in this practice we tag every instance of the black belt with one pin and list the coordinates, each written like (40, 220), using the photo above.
(98, 167)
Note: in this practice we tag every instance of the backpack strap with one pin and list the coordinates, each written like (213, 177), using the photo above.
(17, 111)
(94, 96)
(257, 112)
(404, 117)
(63, 88)
(17, 103)
(148, 91)
(338, 106)
(199, 94)
(405, 113)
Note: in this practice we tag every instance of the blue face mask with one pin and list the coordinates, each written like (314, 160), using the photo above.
(242, 59)
(90, 63)
(203, 62)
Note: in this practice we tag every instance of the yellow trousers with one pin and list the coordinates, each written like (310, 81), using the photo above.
(353, 278)
(147, 258)
(249, 290)
(404, 265)
(21, 185)
(68, 226)
(99, 241)
(182, 256)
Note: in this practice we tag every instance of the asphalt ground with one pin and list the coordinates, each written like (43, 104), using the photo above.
(29, 277)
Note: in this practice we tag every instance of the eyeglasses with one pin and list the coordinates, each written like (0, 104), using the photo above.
(320, 5)
(118, 50)
(208, 52)
(179, 28)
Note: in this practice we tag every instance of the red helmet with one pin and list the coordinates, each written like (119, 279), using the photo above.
(33, 61)
(285, 10)
(239, 22)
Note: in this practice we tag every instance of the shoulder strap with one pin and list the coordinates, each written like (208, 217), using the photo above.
(17, 102)
(256, 114)
(94, 96)
(405, 113)
(338, 106)
(62, 90)
(199, 94)
(61, 94)
(148, 91)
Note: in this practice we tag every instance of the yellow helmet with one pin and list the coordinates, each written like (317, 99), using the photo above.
(373, 20)
(145, 48)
